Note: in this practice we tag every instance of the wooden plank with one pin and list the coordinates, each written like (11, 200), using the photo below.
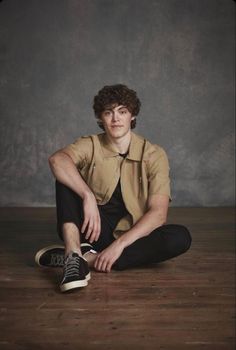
(185, 303)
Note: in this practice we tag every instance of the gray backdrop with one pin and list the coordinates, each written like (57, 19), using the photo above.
(177, 54)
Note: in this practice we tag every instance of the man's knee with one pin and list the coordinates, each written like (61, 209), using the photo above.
(60, 187)
(184, 238)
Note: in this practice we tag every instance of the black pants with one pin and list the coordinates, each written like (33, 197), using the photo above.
(161, 244)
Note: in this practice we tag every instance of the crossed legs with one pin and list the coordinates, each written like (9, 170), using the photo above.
(162, 244)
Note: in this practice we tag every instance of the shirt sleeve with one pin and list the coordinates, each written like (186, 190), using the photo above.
(82, 150)
(158, 172)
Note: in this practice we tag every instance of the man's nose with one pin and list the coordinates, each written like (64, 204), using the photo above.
(115, 116)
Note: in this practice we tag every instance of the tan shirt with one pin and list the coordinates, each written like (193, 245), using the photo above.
(145, 171)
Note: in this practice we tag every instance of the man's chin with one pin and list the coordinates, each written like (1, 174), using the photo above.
(117, 134)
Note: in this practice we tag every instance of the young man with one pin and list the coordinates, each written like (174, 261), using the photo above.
(112, 195)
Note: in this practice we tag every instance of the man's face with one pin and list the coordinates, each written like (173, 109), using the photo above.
(116, 121)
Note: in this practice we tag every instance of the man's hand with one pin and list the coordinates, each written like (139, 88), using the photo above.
(108, 256)
(92, 221)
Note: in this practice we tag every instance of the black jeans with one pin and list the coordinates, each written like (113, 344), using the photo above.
(163, 243)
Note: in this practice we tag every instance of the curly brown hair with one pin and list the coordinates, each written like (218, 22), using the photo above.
(118, 94)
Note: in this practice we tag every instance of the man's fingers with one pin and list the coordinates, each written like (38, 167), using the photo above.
(85, 223)
(93, 233)
(109, 265)
(92, 226)
(98, 263)
(101, 264)
(89, 230)
(98, 229)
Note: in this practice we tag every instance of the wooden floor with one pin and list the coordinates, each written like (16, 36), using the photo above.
(185, 303)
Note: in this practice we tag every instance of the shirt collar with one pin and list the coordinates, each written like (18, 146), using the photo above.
(135, 148)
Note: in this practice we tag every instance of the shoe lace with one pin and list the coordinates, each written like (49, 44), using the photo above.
(71, 267)
(57, 260)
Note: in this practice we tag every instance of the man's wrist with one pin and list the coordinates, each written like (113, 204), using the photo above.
(86, 194)
(122, 241)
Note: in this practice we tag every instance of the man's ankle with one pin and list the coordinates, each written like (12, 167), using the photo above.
(90, 257)
(74, 250)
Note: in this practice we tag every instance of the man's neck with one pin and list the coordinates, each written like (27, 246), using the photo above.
(121, 145)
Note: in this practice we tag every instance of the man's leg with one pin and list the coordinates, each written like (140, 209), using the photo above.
(71, 237)
(70, 219)
(164, 243)
(69, 215)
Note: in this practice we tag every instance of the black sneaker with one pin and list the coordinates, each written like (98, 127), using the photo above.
(86, 248)
(51, 256)
(86, 269)
(54, 255)
(73, 273)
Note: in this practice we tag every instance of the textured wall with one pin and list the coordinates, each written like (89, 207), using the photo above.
(177, 54)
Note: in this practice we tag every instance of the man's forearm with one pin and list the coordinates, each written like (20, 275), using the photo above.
(66, 172)
(151, 220)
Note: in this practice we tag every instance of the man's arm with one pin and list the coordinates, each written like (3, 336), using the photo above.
(63, 167)
(155, 216)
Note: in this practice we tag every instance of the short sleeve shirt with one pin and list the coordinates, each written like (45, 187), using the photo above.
(144, 171)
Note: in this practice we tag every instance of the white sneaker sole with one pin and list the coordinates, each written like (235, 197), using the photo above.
(72, 285)
(88, 276)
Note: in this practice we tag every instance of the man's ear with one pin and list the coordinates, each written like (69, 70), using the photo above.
(132, 118)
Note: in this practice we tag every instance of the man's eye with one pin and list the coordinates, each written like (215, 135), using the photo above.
(124, 111)
(107, 113)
